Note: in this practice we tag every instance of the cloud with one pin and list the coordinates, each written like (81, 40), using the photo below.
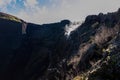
(75, 10)
(55, 10)
(30, 3)
(5, 3)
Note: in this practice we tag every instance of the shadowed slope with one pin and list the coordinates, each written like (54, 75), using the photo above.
(43, 52)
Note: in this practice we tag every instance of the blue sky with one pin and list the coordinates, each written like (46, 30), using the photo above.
(47, 11)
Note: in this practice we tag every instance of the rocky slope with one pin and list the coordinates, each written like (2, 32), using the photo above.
(60, 51)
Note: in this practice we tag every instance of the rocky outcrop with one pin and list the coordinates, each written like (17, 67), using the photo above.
(27, 49)
(48, 52)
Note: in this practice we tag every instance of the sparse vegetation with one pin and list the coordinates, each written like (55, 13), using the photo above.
(9, 17)
(43, 52)
(105, 34)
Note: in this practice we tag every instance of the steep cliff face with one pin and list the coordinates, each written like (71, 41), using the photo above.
(60, 51)
(26, 49)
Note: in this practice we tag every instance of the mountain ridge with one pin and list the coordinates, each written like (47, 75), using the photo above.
(44, 52)
(9, 17)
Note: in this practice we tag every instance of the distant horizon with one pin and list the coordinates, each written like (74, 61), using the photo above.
(49, 11)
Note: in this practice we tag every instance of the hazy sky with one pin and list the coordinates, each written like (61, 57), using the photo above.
(47, 11)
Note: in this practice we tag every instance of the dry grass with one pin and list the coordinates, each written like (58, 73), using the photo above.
(105, 34)
(77, 57)
(9, 17)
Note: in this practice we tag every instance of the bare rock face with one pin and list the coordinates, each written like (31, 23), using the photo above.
(27, 50)
(43, 52)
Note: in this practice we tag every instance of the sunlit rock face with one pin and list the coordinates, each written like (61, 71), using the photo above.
(60, 51)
